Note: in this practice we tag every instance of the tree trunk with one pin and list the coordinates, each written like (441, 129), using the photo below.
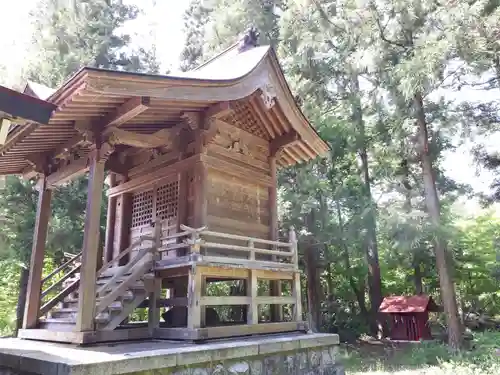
(371, 248)
(21, 300)
(496, 64)
(417, 275)
(313, 289)
(432, 202)
(358, 292)
(405, 170)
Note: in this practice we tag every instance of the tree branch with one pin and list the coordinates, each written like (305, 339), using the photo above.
(382, 29)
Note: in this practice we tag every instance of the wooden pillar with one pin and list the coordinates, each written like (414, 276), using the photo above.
(274, 285)
(86, 298)
(155, 295)
(252, 291)
(33, 293)
(122, 230)
(194, 297)
(110, 222)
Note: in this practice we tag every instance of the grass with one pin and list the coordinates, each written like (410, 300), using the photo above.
(428, 358)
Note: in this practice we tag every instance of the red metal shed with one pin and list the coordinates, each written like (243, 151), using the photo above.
(409, 316)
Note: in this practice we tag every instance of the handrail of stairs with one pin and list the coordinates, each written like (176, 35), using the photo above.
(133, 268)
(60, 282)
(116, 290)
(122, 271)
(61, 267)
(123, 253)
(59, 298)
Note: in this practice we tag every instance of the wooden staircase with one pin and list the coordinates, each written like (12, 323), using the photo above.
(119, 290)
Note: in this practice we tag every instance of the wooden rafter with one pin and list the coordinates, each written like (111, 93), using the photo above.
(4, 130)
(127, 111)
(219, 110)
(279, 143)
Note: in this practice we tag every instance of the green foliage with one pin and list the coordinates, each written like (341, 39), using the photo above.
(427, 358)
(8, 295)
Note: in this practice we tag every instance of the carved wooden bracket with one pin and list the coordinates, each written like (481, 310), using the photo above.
(163, 137)
(192, 119)
(268, 95)
(277, 145)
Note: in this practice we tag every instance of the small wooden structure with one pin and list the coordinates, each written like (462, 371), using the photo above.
(191, 162)
(409, 316)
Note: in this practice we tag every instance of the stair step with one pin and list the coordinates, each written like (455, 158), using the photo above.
(58, 320)
(102, 318)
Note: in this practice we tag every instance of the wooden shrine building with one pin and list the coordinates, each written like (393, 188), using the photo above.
(409, 316)
(191, 164)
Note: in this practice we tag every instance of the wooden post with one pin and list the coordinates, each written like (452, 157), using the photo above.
(110, 222)
(194, 296)
(37, 253)
(274, 285)
(86, 298)
(124, 218)
(154, 310)
(296, 289)
(253, 308)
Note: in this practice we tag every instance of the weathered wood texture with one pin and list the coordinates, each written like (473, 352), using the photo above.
(86, 296)
(37, 253)
(156, 203)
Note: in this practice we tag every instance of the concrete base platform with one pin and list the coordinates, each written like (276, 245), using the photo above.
(284, 354)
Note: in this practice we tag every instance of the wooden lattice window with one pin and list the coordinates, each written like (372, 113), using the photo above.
(167, 200)
(142, 209)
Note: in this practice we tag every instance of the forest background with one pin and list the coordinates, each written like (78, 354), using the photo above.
(405, 92)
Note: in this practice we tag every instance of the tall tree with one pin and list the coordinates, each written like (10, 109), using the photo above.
(230, 19)
(196, 18)
(83, 33)
(418, 69)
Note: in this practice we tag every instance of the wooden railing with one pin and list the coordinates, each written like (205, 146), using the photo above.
(124, 276)
(202, 241)
(58, 285)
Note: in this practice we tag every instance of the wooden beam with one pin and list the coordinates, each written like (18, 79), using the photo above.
(163, 137)
(68, 172)
(279, 143)
(4, 130)
(33, 295)
(114, 165)
(127, 111)
(87, 292)
(219, 110)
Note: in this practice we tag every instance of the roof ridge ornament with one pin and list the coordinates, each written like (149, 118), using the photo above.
(249, 40)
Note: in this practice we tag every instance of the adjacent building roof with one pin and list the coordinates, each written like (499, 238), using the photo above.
(20, 107)
(250, 79)
(407, 304)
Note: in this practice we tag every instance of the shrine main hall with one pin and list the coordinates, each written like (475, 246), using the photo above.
(189, 164)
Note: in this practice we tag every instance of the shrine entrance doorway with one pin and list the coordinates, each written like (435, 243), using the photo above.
(158, 202)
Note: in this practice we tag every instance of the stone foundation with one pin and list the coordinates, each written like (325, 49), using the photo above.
(290, 354)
